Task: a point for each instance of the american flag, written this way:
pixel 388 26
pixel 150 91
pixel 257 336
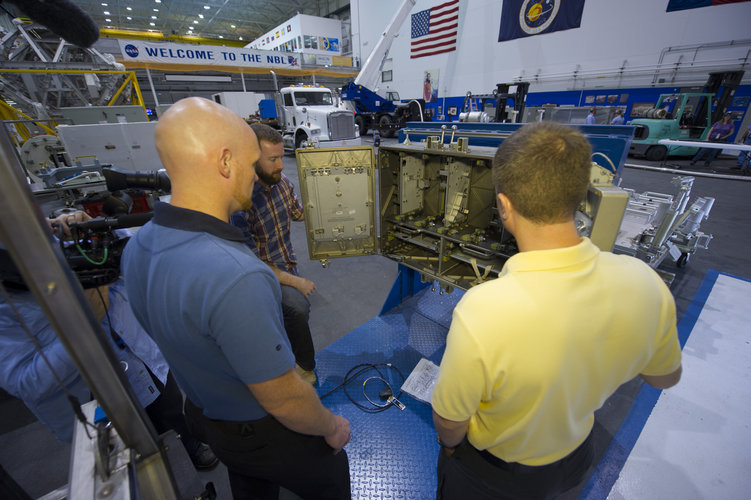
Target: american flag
pixel 434 30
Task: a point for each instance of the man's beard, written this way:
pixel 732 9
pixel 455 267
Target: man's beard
pixel 269 179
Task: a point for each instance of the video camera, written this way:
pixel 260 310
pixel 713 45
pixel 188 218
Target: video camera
pixel 96 246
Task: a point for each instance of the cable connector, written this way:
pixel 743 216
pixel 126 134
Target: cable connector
pixel 386 393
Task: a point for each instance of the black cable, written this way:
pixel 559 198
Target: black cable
pixel 359 370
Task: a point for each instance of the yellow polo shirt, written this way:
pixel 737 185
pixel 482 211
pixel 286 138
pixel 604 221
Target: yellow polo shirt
pixel 531 355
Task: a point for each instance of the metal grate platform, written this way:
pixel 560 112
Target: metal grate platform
pixel 392 453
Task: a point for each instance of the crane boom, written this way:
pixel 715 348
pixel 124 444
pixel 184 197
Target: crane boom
pixel 368 76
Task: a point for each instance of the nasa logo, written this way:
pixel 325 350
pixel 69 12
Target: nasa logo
pixel 536 16
pixel 131 50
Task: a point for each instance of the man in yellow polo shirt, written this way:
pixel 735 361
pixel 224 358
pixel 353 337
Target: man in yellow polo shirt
pixel 531 355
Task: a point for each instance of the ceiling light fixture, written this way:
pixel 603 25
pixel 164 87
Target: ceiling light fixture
pixel 108 20
pixel 221 36
pixel 153 17
pixel 206 7
pixel 106 13
pixel 241 38
pixel 129 8
pixel 104 5
pixel 195 21
pixel 156 10
pixel 152 24
pixel 129 18
pixel 233 26
pixel 200 15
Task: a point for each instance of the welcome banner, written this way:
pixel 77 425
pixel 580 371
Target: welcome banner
pixel 170 53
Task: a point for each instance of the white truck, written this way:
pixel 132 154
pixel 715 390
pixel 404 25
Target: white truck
pixel 300 112
pixel 309 113
pixel 244 104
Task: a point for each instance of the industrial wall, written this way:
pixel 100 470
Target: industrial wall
pixel 619 44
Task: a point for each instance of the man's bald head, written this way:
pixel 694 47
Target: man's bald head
pixel 206 149
pixel 192 129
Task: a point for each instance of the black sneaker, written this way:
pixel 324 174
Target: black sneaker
pixel 203 458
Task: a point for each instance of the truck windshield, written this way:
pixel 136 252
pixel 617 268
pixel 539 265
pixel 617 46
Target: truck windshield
pixel 313 99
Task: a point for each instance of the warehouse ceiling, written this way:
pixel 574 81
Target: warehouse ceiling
pixel 236 20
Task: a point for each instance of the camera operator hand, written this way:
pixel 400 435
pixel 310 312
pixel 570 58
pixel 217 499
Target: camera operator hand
pixel 59 224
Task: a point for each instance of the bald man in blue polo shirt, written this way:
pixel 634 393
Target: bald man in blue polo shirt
pixel 214 309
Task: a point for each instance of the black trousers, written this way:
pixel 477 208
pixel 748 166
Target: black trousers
pixel 166 412
pixel 470 473
pixel 296 311
pixel 262 455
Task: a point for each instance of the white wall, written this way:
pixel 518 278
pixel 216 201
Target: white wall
pixel 614 34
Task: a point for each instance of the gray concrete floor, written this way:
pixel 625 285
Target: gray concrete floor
pixel 352 291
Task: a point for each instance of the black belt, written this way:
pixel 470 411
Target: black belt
pixel 246 429
pixel 509 466
pixel 517 467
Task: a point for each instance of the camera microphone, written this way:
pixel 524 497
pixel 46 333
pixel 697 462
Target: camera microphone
pixel 109 223
pixel 63 18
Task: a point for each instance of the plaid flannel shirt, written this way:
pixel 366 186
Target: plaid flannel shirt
pixel 267 224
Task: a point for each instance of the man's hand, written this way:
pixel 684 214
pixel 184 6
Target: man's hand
pixel 304 286
pixel 450 432
pixel 59 224
pixel 340 437
pixel 295 404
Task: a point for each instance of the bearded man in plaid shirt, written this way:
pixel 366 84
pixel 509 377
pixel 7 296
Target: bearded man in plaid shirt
pixel 266 226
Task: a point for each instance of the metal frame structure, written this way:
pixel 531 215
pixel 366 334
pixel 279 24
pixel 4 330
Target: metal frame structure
pixel 42 73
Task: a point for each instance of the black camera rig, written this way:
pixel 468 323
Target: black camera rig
pixel 96 245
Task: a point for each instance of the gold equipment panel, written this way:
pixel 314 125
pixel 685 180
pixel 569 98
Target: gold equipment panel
pixel 436 208
pixel 337 186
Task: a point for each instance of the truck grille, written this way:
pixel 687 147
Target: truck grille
pixel 341 125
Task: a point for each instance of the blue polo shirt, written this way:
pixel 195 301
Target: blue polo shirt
pixel 212 307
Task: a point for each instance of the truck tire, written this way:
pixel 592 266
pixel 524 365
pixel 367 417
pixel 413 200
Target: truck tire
pixel 300 139
pixel 656 153
pixel 385 126
pixel 360 122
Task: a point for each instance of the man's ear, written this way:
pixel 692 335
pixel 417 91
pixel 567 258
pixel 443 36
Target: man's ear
pixel 225 163
pixel 504 206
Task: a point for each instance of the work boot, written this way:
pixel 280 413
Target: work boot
pixel 203 457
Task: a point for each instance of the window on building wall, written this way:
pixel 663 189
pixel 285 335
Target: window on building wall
pixel 299 42
pixel 386 76
pixel 308 43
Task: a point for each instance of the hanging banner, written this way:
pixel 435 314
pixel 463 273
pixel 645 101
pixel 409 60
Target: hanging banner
pixel 205 55
pixel 523 18
pixel 674 5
